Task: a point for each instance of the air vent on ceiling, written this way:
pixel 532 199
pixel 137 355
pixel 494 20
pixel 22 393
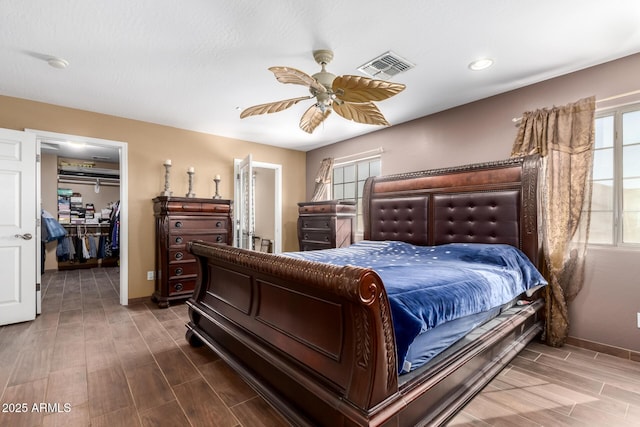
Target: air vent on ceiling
pixel 386 66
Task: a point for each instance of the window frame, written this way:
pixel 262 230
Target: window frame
pixel 358 197
pixel 617 231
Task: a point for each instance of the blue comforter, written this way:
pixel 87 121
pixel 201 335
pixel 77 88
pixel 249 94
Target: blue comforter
pixel 430 285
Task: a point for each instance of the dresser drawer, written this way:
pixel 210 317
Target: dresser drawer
pixel 187 269
pixel 195 207
pixel 200 224
pixel 180 254
pixel 179 286
pixel 179 240
pixel 316 236
pixel 317 223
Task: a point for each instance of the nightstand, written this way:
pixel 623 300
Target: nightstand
pixel 326 224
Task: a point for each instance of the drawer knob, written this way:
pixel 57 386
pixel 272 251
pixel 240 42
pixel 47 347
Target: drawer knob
pixel 178 271
pixel 218 238
pixel 179 239
pixel 219 224
pixel 179 255
pixel 306 236
pixel 178 224
pixel 326 238
pixel 179 287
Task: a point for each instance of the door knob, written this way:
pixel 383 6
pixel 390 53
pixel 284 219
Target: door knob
pixel 26 236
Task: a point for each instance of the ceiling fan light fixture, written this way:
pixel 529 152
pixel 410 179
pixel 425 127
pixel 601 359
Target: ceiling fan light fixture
pixel 58 63
pixel 351 97
pixel 481 64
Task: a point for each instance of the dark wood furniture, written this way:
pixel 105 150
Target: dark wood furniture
pixel 179 220
pixel 326 224
pixel 317 340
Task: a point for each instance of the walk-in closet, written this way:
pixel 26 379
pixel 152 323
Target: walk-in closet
pixel 82 194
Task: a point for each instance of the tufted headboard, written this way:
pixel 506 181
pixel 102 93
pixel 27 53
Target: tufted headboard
pixel 481 203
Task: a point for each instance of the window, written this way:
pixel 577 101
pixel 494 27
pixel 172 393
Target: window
pixel 348 183
pixel 615 205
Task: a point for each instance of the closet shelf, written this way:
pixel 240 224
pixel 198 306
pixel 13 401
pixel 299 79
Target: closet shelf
pixel 71 179
pixel 105 225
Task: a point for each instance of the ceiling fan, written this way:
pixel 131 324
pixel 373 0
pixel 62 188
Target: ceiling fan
pixel 349 96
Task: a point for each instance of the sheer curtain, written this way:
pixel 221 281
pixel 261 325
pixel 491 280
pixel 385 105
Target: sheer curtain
pixel 564 137
pixel 323 180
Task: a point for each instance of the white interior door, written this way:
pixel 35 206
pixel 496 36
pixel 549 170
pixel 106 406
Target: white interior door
pixel 18 243
pixel 245 203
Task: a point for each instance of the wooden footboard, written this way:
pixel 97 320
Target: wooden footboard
pixel 317 342
pixel 303 332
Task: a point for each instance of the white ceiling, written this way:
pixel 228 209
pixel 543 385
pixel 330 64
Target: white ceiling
pixel 189 64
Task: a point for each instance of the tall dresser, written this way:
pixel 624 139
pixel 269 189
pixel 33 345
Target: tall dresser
pixel 326 224
pixel 179 220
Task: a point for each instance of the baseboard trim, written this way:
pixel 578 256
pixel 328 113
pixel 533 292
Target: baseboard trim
pixel 138 300
pixel 604 348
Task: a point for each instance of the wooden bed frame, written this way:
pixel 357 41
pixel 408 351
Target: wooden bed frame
pixel 317 341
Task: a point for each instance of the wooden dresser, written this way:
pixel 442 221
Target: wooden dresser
pixel 179 220
pixel 326 224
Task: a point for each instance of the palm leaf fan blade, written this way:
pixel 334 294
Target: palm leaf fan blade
pixel 365 112
pixel 363 89
pixel 312 118
pixel 296 77
pixel 272 107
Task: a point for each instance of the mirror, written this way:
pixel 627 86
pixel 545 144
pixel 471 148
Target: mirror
pixel 258 205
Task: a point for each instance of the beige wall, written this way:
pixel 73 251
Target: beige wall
pixel 148 147
pixel 605 311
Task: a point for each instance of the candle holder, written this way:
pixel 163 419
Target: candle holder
pixel 190 193
pixel 167 173
pixel 217 181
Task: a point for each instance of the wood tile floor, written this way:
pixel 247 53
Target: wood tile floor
pixel 86 360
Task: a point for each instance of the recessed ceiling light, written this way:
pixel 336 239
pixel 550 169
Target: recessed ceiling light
pixel 58 63
pixel 481 64
pixel 76 144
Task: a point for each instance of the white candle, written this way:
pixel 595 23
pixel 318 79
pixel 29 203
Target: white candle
pixel 191 169
pixel 167 162
pixel 217 177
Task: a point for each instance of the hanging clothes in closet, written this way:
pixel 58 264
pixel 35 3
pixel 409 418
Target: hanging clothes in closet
pixel 91 245
pixel 81 245
pixel 52 230
pixel 114 230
